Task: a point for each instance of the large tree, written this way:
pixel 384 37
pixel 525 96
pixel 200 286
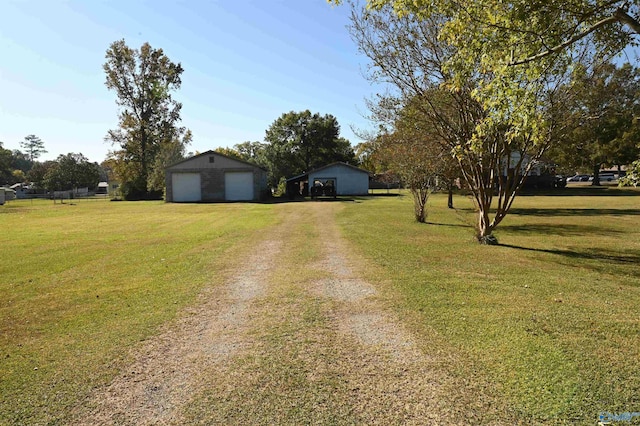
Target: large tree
pixel 604 117
pixel 517 32
pixel 34 146
pixel 253 152
pixel 21 161
pixel 6 171
pixel 36 175
pixel 494 140
pixel 297 142
pixel 71 171
pixel 149 134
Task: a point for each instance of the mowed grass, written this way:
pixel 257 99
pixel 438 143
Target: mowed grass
pixel 82 284
pixel 551 318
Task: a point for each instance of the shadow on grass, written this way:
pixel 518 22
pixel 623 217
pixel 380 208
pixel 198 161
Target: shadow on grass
pixel 450 225
pixel 574 212
pixel 564 230
pixel 583 191
pixel 602 259
pixel 350 198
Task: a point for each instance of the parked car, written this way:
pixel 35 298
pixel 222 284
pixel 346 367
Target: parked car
pixel 578 178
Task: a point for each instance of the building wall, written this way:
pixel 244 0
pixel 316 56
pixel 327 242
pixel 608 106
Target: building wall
pixel 348 181
pixel 212 176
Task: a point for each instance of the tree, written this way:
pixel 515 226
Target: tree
pixel 170 152
pixel 495 140
pixel 298 142
pixel 231 152
pixel 253 152
pixel 21 161
pixel 71 171
pixel 6 170
pixel 604 119
pixel 34 147
pixel 633 175
pixel 148 133
pixel 36 175
pixel 416 158
pixel 521 32
pixel 19 176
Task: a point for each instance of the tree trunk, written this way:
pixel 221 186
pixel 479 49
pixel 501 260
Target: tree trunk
pixel 450 197
pixel 485 228
pixel 420 197
pixel 596 175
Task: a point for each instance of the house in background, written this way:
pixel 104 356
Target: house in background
pixel 8 194
pixel 214 177
pixel 102 188
pixel 343 178
pixel 22 190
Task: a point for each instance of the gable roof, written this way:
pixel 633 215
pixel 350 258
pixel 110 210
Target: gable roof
pixel 210 152
pixel 339 163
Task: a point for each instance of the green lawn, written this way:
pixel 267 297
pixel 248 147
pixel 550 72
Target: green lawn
pixel 551 318
pixel 81 284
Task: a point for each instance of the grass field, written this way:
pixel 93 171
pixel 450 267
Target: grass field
pixel 550 318
pixel 82 283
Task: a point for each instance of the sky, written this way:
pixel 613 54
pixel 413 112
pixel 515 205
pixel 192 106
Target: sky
pixel 246 62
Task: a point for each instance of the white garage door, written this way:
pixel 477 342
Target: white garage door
pixel 186 187
pixel 238 186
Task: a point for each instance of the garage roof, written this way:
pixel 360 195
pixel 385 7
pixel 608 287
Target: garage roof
pixel 211 152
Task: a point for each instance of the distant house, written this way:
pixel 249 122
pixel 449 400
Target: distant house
pixel 8 194
pixel 344 179
pixel 542 173
pixel 102 188
pixel 21 190
pixel 214 177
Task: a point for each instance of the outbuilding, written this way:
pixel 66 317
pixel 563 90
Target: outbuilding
pixel 342 178
pixel 214 177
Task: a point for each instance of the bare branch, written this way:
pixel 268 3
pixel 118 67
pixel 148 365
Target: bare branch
pixel 569 41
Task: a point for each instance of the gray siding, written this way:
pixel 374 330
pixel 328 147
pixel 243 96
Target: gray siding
pixel 349 181
pixel 212 176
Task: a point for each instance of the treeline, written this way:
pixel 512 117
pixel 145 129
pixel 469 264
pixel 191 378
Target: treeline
pixel 69 171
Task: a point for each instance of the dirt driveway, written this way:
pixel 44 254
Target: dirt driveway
pixel 294 336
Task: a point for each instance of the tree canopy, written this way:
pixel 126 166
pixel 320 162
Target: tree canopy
pixel 604 119
pixel 297 142
pixel 34 147
pixel 148 137
pixel 518 32
pixel 71 171
pixel 5 166
pixel 495 139
pixel 413 151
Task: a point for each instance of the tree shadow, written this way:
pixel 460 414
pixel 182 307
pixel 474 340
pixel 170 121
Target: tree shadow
pixel 597 191
pixel 599 259
pixel 352 198
pixel 450 225
pixel 573 212
pixel 564 230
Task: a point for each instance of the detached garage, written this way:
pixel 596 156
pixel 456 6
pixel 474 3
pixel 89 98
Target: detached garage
pixel 214 177
pixel 343 178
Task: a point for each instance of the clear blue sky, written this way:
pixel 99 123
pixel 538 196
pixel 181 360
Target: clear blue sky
pixel 245 63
